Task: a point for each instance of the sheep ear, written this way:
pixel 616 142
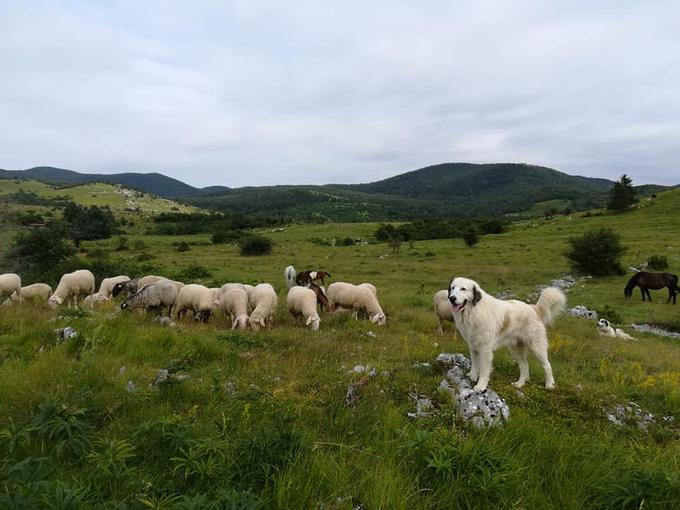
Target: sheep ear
pixel 309 321
pixel 476 295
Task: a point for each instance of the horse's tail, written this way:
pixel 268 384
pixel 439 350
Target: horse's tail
pixel 550 305
pixel 628 291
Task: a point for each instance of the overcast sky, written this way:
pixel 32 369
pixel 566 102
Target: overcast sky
pixel 254 92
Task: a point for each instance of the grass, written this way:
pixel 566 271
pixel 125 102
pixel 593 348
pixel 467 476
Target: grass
pixel 260 421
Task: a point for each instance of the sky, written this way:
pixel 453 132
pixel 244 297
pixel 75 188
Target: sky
pixel 255 92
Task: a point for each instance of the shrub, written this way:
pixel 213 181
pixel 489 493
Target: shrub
pixel 257 245
pixel 610 314
pixel 192 272
pixel 657 263
pixel 597 252
pixel 183 246
pixel 122 244
pixel 228 236
pixel 348 241
pixel 471 237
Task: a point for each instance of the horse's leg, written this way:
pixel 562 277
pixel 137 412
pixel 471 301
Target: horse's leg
pixel 642 291
pixel 649 296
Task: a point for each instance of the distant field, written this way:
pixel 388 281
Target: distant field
pixel 261 420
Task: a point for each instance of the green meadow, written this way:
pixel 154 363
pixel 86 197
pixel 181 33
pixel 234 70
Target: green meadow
pixel 259 420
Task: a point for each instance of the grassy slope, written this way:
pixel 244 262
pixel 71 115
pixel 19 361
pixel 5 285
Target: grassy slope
pixel 264 412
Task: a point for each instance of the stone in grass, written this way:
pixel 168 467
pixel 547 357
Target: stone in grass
pixel 481 408
pixel 632 414
pixel 424 406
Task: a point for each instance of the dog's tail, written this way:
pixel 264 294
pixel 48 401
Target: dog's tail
pixel 550 305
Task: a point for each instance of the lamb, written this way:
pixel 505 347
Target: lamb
pixel 228 286
pixel 302 303
pixel 197 298
pixel 604 328
pixel 9 284
pixel 235 303
pixel 73 285
pixel 95 299
pixel 357 298
pixel 107 284
pixel 136 284
pixel 263 301
pixel 290 274
pixel 39 292
pixel 155 296
pixel 442 309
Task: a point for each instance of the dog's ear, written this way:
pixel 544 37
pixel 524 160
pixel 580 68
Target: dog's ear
pixel 476 295
pixel 448 289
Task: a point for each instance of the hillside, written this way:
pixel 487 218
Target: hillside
pixel 446 190
pixel 155 183
pixel 263 420
pixel 452 189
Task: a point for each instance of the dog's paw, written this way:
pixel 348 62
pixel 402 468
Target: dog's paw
pixel 549 386
pixel 519 384
pixel 473 376
pixel 480 387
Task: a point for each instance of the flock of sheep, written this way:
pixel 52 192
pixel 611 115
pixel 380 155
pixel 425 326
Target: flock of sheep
pixel 248 306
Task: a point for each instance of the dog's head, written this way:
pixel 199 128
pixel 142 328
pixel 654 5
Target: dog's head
pixel 603 324
pixel 463 292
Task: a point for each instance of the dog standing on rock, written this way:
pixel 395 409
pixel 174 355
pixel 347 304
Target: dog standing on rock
pixel 487 323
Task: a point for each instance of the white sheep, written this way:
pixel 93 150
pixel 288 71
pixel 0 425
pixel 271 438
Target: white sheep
pixel 370 287
pixel 37 292
pixel 155 296
pixel 442 309
pixel 95 299
pixel 356 298
pixel 301 302
pixel 263 301
pixel 107 284
pixel 289 275
pixel 197 298
pixel 228 286
pixel 235 302
pixel 73 285
pixel 9 284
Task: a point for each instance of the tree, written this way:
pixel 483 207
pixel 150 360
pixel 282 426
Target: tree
pixel 257 245
pixel 622 195
pixel 471 237
pixel 597 252
pixel 38 251
pixel 88 223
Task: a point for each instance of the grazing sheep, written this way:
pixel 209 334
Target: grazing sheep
pixel 263 301
pixel 95 299
pixel 197 298
pixel 301 302
pixel 235 303
pixel 155 296
pixel 39 292
pixel 228 286
pixel 9 284
pixel 73 285
pixel 356 298
pixel 107 284
pixel 290 274
pixel 129 287
pixel 442 309
pixel 604 328
pixel 370 287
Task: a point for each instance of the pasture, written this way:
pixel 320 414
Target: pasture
pixel 259 420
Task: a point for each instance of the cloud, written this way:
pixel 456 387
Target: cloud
pixel 249 93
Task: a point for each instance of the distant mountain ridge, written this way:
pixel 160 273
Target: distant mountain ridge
pixel 443 190
pixel 155 183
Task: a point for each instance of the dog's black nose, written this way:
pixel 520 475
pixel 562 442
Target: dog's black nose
pixel 452 300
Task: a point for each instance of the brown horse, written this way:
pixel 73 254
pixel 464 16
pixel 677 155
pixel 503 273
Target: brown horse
pixel 654 281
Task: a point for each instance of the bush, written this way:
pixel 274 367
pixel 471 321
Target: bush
pixel 257 245
pixel 192 272
pixel 348 241
pixel 597 253
pixel 122 244
pixel 610 314
pixel 657 263
pixel 228 236
pixel 471 237
pixel 183 246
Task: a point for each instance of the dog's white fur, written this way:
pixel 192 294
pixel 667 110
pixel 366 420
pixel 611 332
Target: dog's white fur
pixel 487 323
pixel 605 329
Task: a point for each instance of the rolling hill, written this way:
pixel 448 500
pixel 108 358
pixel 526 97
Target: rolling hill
pixel 445 190
pixel 155 183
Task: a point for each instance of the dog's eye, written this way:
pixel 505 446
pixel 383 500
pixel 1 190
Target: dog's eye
pixel 463 289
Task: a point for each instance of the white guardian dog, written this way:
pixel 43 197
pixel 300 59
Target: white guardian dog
pixel 605 329
pixel 487 323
